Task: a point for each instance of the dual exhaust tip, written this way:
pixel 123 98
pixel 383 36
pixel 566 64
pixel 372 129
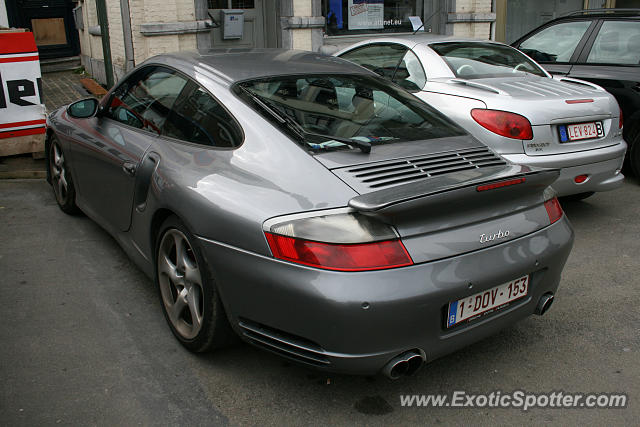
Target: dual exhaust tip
pixel 409 362
pixel 405 364
pixel 544 304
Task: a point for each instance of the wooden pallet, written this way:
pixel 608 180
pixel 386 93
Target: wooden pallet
pixel 33 144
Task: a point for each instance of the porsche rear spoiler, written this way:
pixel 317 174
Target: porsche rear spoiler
pixel 490 184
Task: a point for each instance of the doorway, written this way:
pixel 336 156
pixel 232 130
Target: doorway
pixel 51 22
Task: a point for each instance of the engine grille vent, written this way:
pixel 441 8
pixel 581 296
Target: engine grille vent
pixel 283 343
pixel 394 172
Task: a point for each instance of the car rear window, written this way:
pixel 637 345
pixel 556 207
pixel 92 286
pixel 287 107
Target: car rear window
pixel 361 107
pixel 469 60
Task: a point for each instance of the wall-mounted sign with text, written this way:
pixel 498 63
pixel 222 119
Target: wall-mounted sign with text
pixel 21 109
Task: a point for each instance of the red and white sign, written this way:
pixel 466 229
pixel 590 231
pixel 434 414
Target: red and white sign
pixel 21 109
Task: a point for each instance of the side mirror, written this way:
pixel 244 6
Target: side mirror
pixel 83 109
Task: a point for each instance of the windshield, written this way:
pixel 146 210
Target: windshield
pixel 326 112
pixel 484 60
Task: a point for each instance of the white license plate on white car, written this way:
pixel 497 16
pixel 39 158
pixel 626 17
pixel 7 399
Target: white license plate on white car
pixel 581 131
pixel 487 301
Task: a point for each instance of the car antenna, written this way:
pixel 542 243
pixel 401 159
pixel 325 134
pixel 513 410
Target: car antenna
pixel 426 20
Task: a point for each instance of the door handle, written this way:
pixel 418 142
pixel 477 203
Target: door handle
pixel 129 168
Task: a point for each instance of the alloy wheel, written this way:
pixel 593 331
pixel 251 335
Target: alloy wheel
pixel 59 174
pixel 180 284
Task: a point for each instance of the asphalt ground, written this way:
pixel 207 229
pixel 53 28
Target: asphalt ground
pixel 83 340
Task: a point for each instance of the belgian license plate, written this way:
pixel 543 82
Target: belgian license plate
pixel 580 131
pixel 486 302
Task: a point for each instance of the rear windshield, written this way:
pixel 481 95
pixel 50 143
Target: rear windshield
pixel 360 107
pixel 485 60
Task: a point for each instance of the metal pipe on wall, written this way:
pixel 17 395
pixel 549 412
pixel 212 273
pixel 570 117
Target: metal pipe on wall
pixel 128 40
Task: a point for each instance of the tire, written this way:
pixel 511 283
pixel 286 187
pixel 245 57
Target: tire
pixel 634 155
pixel 61 180
pixel 189 298
pixel 577 197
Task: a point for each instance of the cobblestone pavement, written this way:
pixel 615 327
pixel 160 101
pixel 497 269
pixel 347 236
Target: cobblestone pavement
pixel 61 88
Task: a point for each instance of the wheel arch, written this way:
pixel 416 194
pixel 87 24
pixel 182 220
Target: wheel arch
pixel 159 216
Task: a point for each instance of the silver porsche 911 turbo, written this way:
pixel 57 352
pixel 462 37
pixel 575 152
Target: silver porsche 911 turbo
pixel 310 207
pixel 509 102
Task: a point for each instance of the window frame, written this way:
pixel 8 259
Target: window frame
pixel 235 88
pixel 586 50
pixel 135 75
pixel 577 52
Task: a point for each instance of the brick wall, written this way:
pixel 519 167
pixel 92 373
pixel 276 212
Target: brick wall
pixel 116 33
pixel 474 9
pixel 473 6
pixel 160 11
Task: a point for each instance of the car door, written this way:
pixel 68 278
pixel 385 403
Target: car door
pixel 115 142
pixel 557 45
pixel 611 59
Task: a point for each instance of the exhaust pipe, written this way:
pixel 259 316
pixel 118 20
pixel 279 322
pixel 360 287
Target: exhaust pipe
pixel 544 304
pixel 405 364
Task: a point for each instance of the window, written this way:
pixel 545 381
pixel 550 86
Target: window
pixel 556 43
pixel 330 108
pixel 198 118
pixel 392 61
pixel 145 99
pixel 382 59
pixel 617 42
pixel 484 60
pixel 369 16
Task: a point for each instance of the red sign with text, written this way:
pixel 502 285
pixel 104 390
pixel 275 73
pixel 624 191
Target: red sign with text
pixel 21 109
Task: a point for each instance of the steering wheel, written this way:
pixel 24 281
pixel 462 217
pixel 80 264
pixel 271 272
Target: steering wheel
pixel 463 67
pixel 517 67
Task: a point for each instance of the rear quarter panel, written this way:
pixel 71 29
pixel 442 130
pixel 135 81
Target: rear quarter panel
pixel 226 194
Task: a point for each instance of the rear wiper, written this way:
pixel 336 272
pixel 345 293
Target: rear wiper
pixel 302 134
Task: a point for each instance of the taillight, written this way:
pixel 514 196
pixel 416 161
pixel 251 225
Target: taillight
pixel 331 256
pixel 343 241
pixel 620 121
pixel 552 205
pixel 503 123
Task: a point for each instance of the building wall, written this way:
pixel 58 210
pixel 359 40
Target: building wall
pixel 472 19
pixel 116 36
pixel 301 37
pixel 160 12
pixel 159 26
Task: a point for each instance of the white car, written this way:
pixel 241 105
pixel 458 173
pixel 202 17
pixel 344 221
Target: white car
pixel 505 99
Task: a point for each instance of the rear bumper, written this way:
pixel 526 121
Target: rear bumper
pixel 356 322
pixel 602 166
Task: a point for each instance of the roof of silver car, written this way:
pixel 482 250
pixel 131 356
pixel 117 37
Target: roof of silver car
pixel 233 65
pixel 426 38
